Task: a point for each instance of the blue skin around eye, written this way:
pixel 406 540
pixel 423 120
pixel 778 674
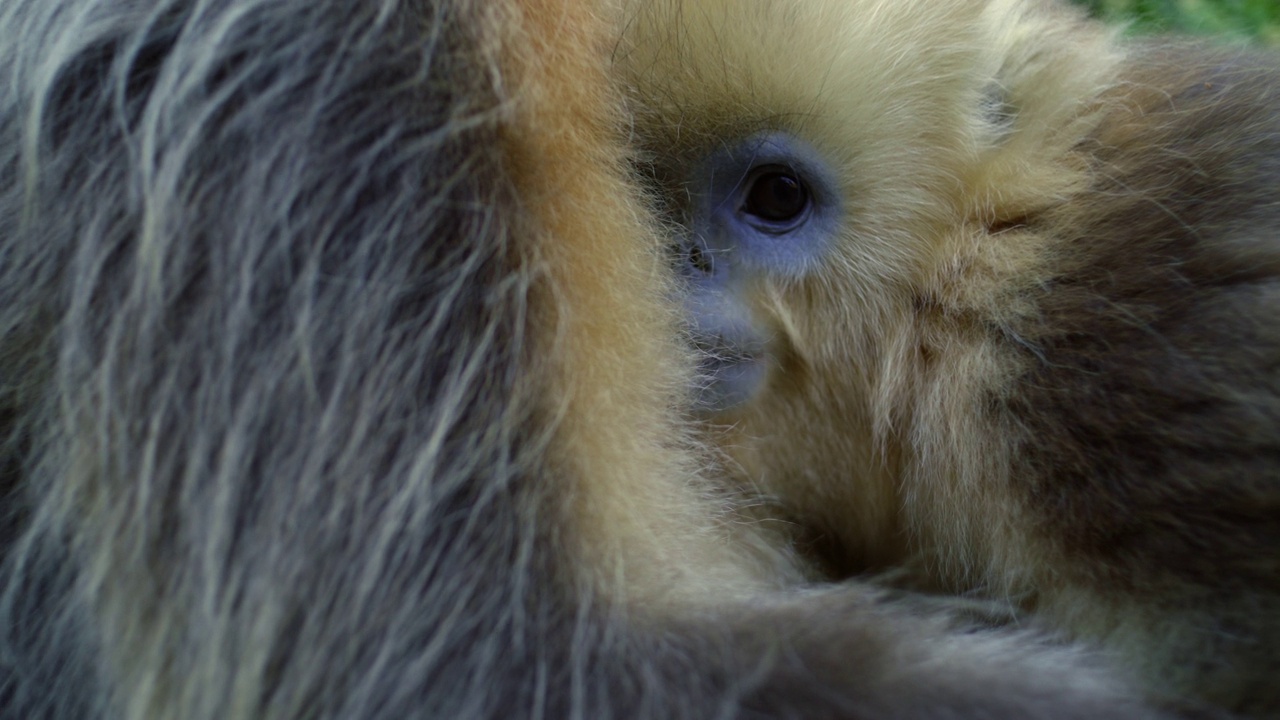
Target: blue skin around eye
pixel 719 188
pixel 726 246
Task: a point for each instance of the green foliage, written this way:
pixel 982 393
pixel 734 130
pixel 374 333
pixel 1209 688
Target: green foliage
pixel 1248 19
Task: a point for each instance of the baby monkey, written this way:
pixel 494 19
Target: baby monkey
pixel 988 295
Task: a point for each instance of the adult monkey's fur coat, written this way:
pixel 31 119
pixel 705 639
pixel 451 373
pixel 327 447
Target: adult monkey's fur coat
pixel 337 381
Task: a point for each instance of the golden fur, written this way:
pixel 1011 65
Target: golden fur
pixel 1037 363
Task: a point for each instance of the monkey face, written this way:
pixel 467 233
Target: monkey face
pixel 810 180
pixel 765 208
pixel 832 169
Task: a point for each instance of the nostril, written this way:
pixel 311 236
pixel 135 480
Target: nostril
pixel 698 260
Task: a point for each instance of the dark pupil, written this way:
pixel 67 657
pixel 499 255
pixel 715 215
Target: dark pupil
pixel 776 196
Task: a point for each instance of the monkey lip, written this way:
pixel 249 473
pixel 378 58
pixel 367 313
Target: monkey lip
pixel 717 352
pixel 728 374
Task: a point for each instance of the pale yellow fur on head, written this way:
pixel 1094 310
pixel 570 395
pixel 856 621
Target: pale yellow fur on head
pixel 942 119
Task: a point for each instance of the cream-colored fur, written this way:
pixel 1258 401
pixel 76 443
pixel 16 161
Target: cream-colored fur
pixel 892 93
pixel 976 142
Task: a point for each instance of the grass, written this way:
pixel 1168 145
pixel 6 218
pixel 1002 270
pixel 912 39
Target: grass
pixel 1254 20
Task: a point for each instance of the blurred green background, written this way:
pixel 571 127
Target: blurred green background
pixel 1255 20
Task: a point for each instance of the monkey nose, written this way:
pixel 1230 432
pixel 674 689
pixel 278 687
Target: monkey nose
pixel 697 260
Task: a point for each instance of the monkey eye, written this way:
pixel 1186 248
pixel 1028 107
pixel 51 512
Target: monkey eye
pixel 767 203
pixel 776 195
